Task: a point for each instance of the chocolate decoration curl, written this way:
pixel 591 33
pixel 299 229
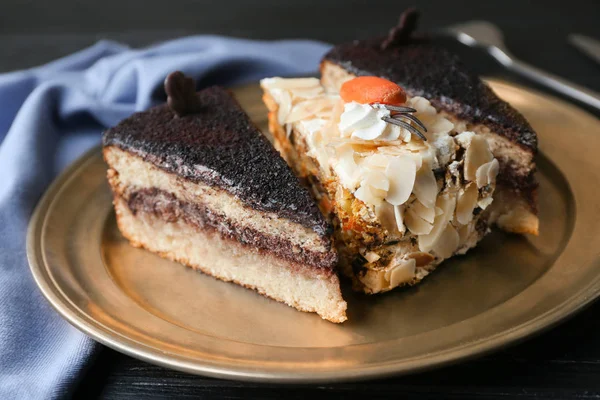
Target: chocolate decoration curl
pixel 401 33
pixel 181 94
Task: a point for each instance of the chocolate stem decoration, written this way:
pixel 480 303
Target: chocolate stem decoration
pixel 402 32
pixel 181 94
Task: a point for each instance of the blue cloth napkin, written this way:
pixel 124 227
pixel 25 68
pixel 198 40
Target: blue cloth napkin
pixel 48 117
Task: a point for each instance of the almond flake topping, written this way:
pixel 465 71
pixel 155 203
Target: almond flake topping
pixel 425 188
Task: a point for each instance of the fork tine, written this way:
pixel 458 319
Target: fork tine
pixel 405 125
pixel 398 108
pixel 412 118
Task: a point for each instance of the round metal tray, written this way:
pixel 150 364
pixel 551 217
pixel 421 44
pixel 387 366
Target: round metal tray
pixel 162 312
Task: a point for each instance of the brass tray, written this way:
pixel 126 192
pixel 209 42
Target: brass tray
pixel 508 288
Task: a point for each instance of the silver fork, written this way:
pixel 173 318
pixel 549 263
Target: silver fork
pixel 397 113
pixel 486 35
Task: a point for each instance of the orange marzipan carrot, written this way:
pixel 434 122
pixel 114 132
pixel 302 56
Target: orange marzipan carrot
pixel 372 89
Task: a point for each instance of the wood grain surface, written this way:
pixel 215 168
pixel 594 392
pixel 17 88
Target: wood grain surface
pixel 563 363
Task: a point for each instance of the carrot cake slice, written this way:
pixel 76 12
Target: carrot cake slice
pixel 410 154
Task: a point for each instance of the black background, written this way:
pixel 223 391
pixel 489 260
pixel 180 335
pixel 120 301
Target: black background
pixel 563 363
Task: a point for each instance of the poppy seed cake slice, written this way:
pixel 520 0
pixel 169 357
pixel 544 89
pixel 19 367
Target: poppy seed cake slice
pixel 199 184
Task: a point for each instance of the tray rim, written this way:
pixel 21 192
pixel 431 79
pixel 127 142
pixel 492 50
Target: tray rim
pixel 96 330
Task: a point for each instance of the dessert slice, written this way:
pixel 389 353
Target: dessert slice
pixel 426 70
pixel 412 174
pixel 196 182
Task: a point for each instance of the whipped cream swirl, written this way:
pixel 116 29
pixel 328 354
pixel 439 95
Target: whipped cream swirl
pixel 363 121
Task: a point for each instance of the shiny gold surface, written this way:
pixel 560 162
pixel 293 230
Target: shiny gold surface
pixel 159 311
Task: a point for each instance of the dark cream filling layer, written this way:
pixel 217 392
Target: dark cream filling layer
pixel 169 208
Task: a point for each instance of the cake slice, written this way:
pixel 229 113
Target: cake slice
pixel 411 156
pixel 426 70
pixel 196 182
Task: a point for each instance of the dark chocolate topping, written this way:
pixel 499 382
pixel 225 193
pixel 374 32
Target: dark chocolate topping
pixel 181 94
pixel 425 69
pixel 219 146
pixel 169 208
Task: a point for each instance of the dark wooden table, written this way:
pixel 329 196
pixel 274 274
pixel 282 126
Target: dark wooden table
pixel 563 363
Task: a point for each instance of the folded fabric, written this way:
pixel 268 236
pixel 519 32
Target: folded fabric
pixel 49 116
